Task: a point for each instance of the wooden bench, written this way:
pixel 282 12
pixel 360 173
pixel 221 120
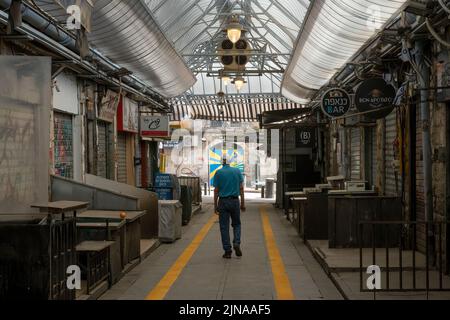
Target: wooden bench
pixel 132 249
pixel 109 231
pixel 94 260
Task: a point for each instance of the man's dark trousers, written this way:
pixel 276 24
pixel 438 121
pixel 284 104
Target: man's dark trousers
pixel 229 208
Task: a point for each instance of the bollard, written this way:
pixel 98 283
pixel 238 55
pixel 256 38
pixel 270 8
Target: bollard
pixel 263 191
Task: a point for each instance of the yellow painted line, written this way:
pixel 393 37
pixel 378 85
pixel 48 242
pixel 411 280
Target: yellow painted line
pixel 160 291
pixel 280 278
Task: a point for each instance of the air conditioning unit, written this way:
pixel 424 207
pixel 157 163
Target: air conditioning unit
pixel 234 57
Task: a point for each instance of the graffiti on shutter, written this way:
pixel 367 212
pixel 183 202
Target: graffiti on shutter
pixel 63 145
pixel 393 178
pixel 18 139
pixel 355 154
pixel 102 150
pixel 122 157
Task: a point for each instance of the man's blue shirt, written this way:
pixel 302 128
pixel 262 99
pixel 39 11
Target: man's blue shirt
pixel 229 181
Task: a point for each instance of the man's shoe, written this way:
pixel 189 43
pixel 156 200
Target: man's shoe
pixel 227 255
pixel 238 251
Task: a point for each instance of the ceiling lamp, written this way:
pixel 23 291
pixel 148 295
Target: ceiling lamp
pixel 239 82
pixel 226 80
pixel 234 30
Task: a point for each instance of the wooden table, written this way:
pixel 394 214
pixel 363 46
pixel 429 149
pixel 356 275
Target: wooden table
pixel 113 231
pixel 288 196
pixel 61 207
pixel 132 249
pixel 112 215
pixel 295 216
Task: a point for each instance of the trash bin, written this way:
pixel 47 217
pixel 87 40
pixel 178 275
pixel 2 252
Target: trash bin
pixel 270 184
pixel 170 220
pixel 186 201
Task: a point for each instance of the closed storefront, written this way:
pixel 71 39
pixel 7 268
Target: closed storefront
pixel 102 149
pixel 63 145
pixel 105 134
pixel 121 157
pixel 67 153
pixel 126 153
pixel 355 153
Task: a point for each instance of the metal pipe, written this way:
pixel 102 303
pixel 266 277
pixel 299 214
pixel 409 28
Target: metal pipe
pixel 49 35
pixel 41 24
pixel 424 82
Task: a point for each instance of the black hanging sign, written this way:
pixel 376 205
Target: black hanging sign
pixel 336 103
pixel 376 97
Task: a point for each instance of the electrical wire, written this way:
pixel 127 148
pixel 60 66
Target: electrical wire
pixel 436 35
pixel 444 6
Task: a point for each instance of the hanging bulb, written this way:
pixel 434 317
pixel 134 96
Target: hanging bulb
pixel 234 30
pixel 226 80
pixel 239 82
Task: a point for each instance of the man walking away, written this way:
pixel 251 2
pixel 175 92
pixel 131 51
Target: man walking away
pixel 229 184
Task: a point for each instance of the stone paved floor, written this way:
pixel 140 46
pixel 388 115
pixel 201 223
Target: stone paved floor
pixel 207 276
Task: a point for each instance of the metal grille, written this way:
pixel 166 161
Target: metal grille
pixel 62 255
pixel 403 266
pixel 194 183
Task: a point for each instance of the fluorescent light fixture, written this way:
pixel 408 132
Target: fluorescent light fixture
pixel 334 32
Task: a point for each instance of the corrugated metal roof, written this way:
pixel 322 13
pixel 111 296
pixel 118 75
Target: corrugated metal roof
pixel 127 33
pixel 333 32
pixel 195 24
pixel 243 108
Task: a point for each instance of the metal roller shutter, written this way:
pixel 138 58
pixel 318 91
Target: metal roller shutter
pixel 374 155
pixel 122 157
pixel 63 145
pixel 102 147
pixel 355 154
pixel 420 195
pixel 139 167
pixel 18 143
pixel 392 178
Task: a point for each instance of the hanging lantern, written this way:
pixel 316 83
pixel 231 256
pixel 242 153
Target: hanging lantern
pixel 234 30
pixel 239 82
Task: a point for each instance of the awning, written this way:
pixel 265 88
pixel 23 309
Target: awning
pixel 242 108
